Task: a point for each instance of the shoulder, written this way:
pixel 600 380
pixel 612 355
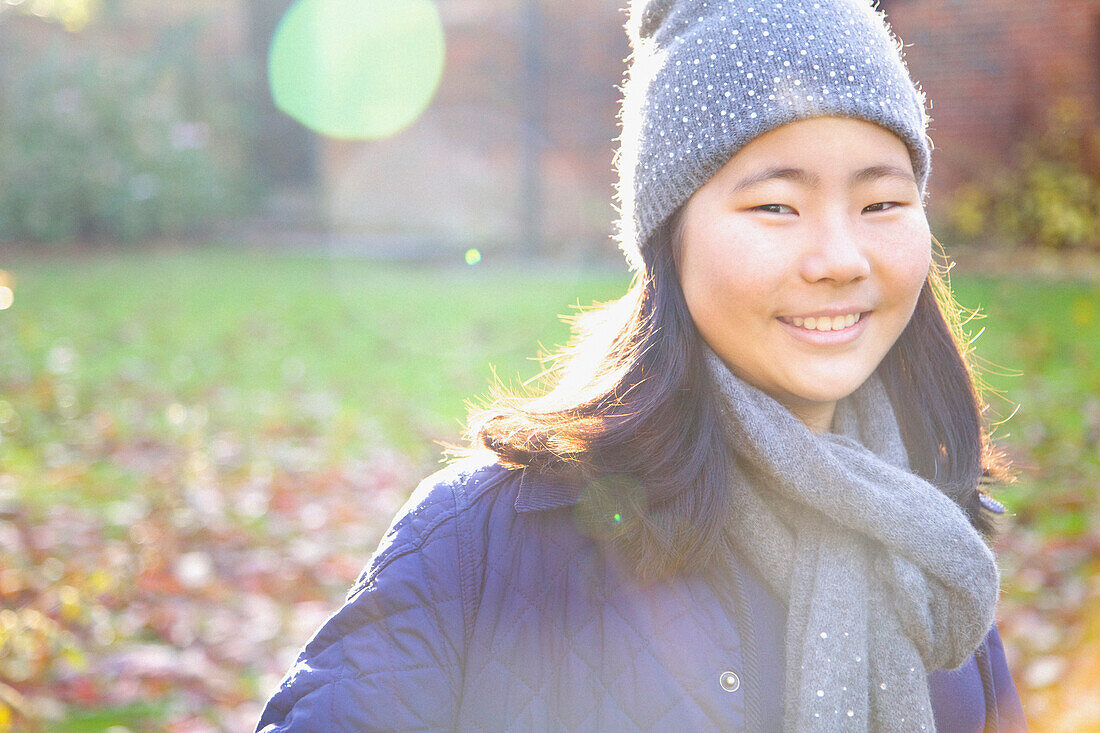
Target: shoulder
pixel 436 508
pixel 468 501
pixel 398 641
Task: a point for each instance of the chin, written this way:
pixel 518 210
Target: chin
pixel 832 393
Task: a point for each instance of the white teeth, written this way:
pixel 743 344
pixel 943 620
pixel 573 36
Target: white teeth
pixel 826 323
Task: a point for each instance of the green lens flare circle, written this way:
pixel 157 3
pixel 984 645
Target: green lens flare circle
pixel 356 69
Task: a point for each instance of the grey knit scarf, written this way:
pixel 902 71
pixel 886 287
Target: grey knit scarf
pixel 884 577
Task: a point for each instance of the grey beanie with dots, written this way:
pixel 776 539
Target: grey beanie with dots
pixel 708 76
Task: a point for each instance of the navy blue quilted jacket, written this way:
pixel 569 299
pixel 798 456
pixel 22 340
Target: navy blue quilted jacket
pixel 486 609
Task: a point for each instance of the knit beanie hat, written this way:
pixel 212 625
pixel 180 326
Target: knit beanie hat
pixel 708 76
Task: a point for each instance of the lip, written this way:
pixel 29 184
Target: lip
pixel 828 338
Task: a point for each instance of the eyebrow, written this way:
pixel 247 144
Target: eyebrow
pixel 797 175
pixel 874 172
pixel 812 180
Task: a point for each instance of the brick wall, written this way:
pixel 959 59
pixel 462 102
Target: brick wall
pixel 464 156
pixel 992 68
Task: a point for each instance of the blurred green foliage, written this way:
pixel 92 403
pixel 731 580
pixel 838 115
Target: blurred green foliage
pixel 109 138
pixel 74 15
pixel 1049 198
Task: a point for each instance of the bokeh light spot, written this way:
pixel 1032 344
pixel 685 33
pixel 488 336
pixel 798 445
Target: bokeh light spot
pixel 356 69
pixel 7 290
pixel 473 257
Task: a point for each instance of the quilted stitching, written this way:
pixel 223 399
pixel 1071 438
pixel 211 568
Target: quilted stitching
pixel 520 620
pixel 481 612
pixel 593 634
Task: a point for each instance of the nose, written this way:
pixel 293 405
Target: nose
pixel 836 253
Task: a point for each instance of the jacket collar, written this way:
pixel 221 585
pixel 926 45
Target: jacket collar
pixel 538 492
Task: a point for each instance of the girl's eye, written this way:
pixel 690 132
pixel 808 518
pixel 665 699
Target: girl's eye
pixel 774 209
pixel 881 206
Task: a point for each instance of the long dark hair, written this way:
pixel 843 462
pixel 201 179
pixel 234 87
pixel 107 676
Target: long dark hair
pixel 630 418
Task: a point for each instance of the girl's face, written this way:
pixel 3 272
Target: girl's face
pixel 802 258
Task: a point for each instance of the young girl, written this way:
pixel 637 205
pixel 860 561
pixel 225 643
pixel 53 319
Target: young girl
pixel 751 501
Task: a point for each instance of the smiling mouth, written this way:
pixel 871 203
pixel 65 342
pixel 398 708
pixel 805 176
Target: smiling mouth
pixel 823 323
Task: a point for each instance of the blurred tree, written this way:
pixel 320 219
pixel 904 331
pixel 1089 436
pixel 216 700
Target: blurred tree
pixel 285 152
pixel 105 139
pixel 533 87
pixel 73 14
pixel 1049 198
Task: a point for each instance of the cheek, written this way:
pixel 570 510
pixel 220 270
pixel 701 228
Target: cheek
pixel 728 279
pixel 911 273
pixel 700 255
pixel 723 260
pixel 908 260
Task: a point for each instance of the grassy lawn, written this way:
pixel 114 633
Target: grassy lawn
pixel 404 346
pixel 199 449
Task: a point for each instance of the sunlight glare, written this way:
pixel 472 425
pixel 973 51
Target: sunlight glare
pixel 7 293
pixel 356 69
